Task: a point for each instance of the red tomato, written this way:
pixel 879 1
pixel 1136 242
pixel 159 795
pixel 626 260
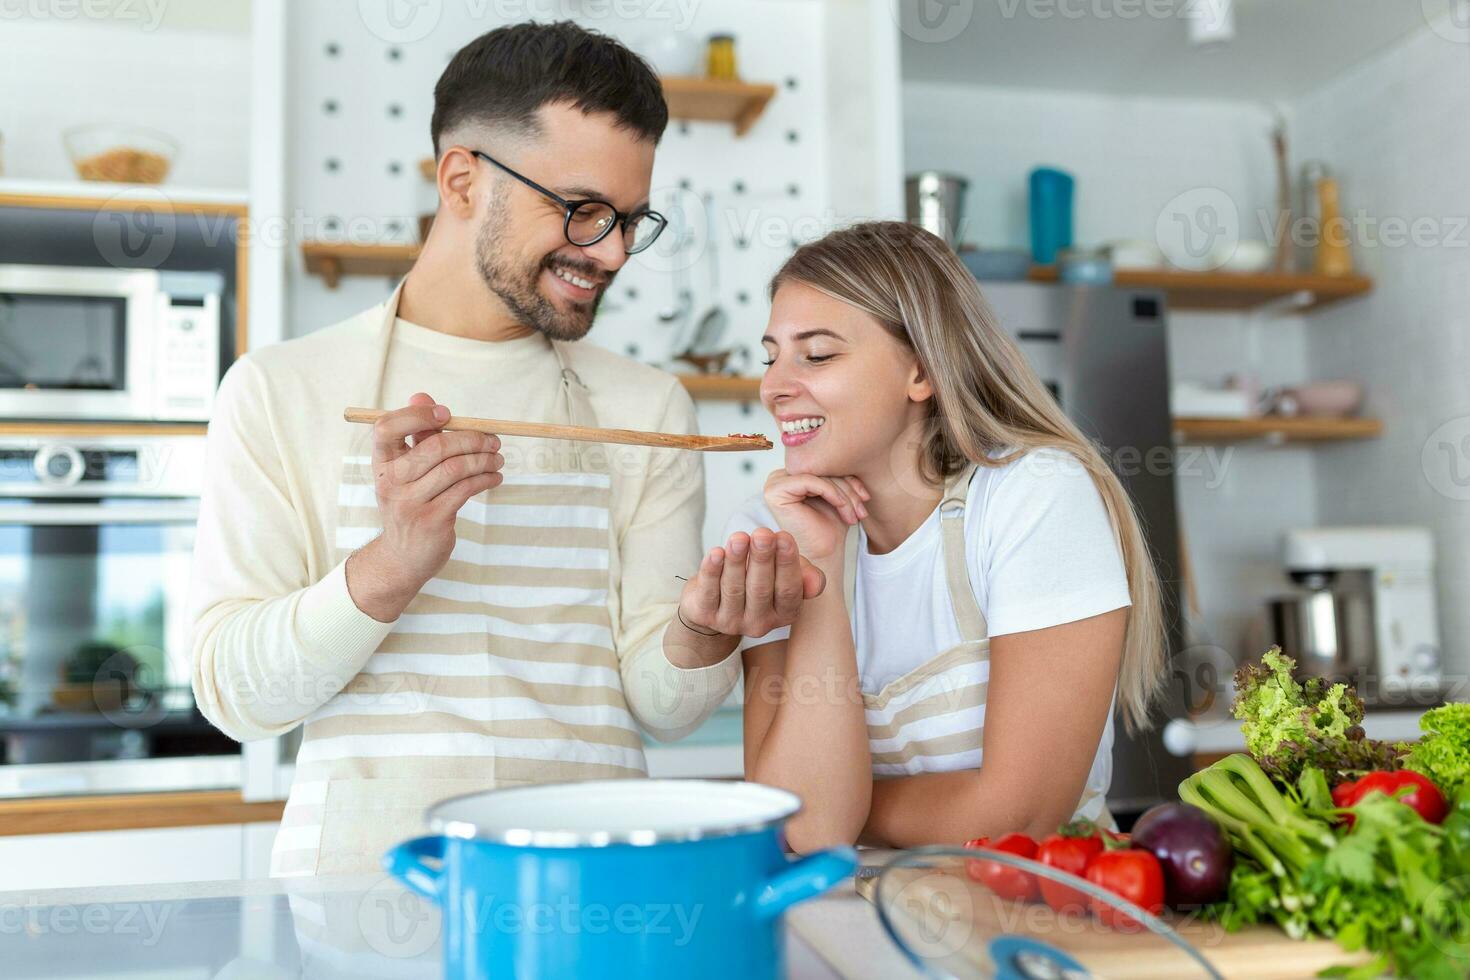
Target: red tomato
pixel 1002 880
pixel 1131 874
pixel 1072 855
pixel 1423 797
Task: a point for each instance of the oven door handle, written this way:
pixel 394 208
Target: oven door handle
pixel 180 512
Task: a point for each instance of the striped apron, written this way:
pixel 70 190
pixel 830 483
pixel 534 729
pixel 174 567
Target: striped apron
pixel 501 671
pixel 932 719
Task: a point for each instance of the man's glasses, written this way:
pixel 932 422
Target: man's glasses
pixel 589 222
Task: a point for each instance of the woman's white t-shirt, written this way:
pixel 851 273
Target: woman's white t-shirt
pixel 1040 550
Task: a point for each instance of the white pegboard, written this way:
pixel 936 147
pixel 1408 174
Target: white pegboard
pixel 360 96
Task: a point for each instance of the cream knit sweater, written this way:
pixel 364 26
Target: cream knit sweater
pixel 275 632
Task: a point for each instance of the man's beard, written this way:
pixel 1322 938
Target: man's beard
pixel 517 286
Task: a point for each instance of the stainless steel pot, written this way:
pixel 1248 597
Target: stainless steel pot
pixel 1327 631
pixel 935 202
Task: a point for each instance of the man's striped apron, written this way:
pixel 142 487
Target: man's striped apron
pixel 502 670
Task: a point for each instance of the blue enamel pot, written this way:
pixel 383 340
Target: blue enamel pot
pixel 643 878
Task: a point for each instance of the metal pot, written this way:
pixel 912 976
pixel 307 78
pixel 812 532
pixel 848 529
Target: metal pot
pixel 1328 632
pixel 935 202
pixel 608 878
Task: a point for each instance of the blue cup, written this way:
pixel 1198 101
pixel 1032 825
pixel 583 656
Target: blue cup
pixel 1050 207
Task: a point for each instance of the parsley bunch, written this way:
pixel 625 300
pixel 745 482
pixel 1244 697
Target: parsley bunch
pixel 1394 885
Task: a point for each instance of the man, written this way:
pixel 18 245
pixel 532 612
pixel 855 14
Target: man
pixel 443 613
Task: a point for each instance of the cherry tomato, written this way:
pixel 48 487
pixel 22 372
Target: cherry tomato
pixel 1131 874
pixel 1423 797
pixel 1070 852
pixel 1004 881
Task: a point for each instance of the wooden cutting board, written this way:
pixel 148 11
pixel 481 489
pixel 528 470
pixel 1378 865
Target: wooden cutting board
pixel 959 919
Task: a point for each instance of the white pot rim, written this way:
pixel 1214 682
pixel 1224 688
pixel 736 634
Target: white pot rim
pixel 604 812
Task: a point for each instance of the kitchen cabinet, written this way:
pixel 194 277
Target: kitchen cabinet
pixel 126 857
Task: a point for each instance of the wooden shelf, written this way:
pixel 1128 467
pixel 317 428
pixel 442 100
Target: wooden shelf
pixel 717 100
pixel 721 387
pixel 84 429
pixel 1275 430
pixel 1232 290
pixel 333 260
pixel 132 811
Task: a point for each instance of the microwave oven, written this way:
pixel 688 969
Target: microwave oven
pixel 107 344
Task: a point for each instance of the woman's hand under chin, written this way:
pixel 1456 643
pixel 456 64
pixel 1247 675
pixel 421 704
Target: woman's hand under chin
pixel 816 510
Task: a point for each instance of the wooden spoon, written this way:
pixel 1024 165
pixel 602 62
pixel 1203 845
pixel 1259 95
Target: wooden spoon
pixel 582 433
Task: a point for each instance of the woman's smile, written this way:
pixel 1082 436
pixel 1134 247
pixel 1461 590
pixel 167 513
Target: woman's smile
pixel 797 430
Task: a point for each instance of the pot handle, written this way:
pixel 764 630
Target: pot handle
pixel 406 863
pixel 805 879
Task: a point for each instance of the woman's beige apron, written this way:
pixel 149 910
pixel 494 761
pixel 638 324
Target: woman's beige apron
pixel 932 719
pixel 501 671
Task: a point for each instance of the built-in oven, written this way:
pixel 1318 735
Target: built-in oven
pixel 108 344
pixel 96 541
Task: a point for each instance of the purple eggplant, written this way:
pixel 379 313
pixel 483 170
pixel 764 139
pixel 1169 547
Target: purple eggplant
pixel 1191 848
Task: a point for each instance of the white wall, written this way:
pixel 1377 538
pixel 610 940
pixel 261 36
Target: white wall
pixel 191 84
pixel 1131 157
pixel 1395 131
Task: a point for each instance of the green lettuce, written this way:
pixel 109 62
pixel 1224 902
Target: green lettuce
pixel 1443 753
pixel 1289 726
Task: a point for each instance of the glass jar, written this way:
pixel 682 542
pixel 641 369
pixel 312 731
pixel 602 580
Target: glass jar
pixel 720 57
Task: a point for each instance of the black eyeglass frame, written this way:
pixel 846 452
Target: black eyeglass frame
pixel 620 220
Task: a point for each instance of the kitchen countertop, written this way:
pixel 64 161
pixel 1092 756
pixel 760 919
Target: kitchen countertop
pixel 368 926
pixel 363 927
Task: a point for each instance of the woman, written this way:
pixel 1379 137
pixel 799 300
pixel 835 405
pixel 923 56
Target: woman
pixel 987 580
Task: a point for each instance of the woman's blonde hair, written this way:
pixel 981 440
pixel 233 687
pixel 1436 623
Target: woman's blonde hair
pixel 987 398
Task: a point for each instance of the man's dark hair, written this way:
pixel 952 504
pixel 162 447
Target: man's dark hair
pixel 504 76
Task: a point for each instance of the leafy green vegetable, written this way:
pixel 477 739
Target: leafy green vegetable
pixel 1443 753
pixel 1290 727
pixel 1394 884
